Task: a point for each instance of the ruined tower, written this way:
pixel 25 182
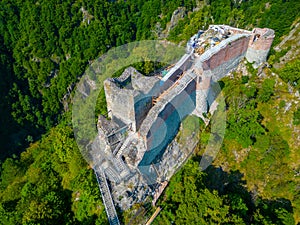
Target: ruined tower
pixel 259 46
pixel 202 92
pixel 128 98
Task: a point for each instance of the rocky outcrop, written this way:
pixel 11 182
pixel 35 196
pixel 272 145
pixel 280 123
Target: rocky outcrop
pixel 290 44
pixel 177 15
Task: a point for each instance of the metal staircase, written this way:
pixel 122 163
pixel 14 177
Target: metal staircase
pixel 106 197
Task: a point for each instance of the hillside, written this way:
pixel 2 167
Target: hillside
pixel 45 47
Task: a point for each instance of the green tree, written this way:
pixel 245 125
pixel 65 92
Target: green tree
pixel 267 90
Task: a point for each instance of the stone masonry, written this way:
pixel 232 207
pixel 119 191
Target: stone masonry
pixel 136 146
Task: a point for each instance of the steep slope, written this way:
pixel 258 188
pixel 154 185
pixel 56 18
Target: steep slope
pixel 289 47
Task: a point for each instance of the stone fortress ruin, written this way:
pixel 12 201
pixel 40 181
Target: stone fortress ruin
pixel 135 150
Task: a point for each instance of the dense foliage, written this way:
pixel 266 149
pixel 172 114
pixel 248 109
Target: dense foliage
pixel 50 184
pixel 192 197
pixel 277 15
pixel 291 73
pixel 45 47
pixel 258 155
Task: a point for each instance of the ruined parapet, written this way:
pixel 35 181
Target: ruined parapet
pixel 214 64
pixel 128 98
pixel 259 46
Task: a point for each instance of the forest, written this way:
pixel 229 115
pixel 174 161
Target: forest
pixel 45 47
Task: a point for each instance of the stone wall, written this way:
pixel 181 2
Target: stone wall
pixel 120 102
pixel 214 64
pixel 218 61
pixel 182 65
pixel 163 120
